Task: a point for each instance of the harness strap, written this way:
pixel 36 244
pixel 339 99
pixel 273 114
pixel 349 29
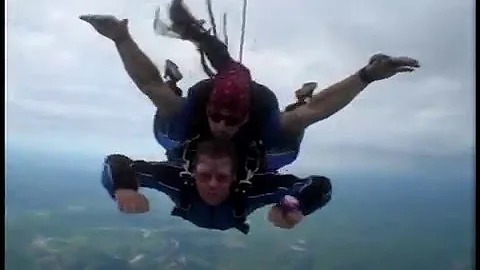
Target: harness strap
pixel 188 183
pixel 253 163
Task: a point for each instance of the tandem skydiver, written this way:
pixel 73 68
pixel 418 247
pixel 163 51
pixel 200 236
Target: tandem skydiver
pixel 228 105
pixel 207 193
pixel 289 148
pixel 231 105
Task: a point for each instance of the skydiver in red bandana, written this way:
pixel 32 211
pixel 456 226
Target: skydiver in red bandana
pixel 231 106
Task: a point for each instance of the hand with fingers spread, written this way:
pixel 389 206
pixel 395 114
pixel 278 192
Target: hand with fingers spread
pixel 108 26
pixel 382 66
pixel 131 202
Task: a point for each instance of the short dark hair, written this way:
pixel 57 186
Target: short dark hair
pixel 217 149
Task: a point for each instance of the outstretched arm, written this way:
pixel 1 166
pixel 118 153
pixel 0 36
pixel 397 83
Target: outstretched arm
pixel 337 96
pixel 312 192
pixel 323 105
pixel 146 77
pixel 139 67
pixel 122 173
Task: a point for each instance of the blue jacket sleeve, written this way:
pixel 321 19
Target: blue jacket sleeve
pixel 312 192
pixel 120 172
pixel 171 132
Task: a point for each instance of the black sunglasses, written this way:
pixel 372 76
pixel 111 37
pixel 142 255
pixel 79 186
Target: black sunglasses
pixel 228 119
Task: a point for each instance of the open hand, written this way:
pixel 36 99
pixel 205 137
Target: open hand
pixel 284 220
pixel 382 66
pixel 107 25
pixel 131 202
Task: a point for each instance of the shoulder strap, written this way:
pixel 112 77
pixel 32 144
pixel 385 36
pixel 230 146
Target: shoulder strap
pixel 187 189
pixel 253 163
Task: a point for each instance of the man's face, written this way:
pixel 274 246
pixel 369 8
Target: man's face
pixel 224 125
pixel 213 178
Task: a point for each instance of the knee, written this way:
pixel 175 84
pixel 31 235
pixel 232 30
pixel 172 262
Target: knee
pixel 323 188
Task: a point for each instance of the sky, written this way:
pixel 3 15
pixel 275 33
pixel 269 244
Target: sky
pixel 67 91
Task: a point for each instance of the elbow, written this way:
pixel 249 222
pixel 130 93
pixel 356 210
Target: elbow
pixel 325 115
pixel 118 173
pixel 147 85
pixel 320 112
pixel 321 184
pixel 317 194
pixel 155 91
pixel 143 79
pixel 107 178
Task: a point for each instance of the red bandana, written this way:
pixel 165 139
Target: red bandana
pixel 231 91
